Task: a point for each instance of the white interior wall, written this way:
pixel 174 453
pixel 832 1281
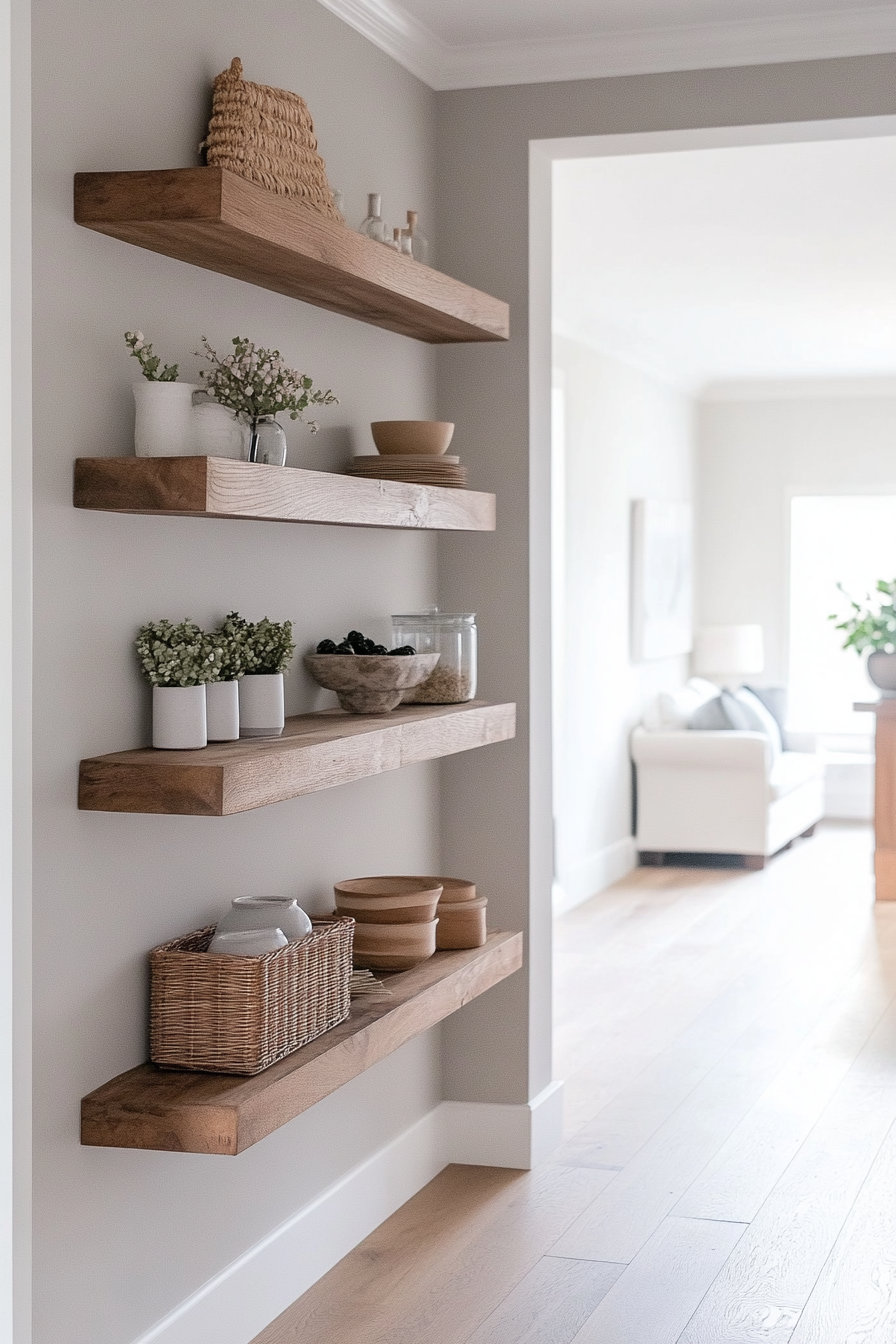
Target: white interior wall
pixel 754 455
pixel 122 1237
pixel 628 436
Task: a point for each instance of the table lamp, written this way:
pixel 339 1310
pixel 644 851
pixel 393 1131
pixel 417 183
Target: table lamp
pixel 728 651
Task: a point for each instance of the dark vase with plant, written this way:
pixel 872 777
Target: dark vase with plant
pixel 178 661
pixel 872 627
pixel 263 650
pixel 257 384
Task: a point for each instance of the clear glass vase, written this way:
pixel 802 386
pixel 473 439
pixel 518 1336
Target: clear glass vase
pixel 267 441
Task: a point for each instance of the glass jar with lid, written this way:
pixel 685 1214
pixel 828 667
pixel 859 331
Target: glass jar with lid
pixel 451 634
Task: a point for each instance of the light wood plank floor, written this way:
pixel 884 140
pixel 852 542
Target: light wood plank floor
pixel 728 1041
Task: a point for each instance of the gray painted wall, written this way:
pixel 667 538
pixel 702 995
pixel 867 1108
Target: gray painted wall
pixel 122 1237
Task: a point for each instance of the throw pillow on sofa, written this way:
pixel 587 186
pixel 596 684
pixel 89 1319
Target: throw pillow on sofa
pixel 722 714
pixel 761 720
pixel 673 709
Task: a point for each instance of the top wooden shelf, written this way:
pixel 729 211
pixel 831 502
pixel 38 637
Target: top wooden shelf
pixel 211 218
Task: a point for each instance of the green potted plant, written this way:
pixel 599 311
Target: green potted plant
pixel 222 697
pixel 164 425
pixel 872 627
pixel 256 383
pixel 178 661
pixel 263 649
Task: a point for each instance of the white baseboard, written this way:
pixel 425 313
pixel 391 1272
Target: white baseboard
pixel 234 1306
pixel 576 885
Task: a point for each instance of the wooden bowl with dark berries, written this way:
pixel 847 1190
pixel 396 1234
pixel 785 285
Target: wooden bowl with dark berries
pixel 367 677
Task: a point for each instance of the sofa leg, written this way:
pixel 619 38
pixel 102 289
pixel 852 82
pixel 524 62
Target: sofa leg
pixel 651 858
pixel 754 862
pixel 807 835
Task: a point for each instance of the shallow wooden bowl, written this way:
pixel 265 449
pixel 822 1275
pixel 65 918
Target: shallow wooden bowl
pixel 462 924
pixel 428 437
pixel 454 889
pixel 393 947
pixel 411 907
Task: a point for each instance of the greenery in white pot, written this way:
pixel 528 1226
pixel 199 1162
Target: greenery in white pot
pixel 178 660
pixel 164 425
pixel 264 650
pixel 258 384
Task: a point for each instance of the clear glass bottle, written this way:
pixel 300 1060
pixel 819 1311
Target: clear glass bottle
pixel 395 241
pixel 404 243
pixel 372 225
pixel 267 441
pixel 451 634
pixel 420 249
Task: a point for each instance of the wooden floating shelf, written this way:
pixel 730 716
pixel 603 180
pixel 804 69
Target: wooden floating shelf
pixel 218 487
pixel 209 217
pixel 217 1113
pixel 317 751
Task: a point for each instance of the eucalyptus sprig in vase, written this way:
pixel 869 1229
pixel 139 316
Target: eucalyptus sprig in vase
pixel 258 384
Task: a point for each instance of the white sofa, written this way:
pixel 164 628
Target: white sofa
pixel 722 792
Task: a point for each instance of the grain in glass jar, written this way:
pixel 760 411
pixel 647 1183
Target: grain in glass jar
pixel 453 636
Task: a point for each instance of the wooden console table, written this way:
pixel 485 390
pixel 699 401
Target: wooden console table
pixel 884 712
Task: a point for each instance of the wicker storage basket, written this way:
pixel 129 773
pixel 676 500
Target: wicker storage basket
pixel 221 1014
pixel 267 136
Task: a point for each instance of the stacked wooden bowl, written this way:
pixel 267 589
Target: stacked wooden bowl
pixel 461 914
pixel 395 919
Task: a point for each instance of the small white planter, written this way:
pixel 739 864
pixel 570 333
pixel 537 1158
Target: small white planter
pixel 178 717
pixel 222 708
pixel 261 704
pixel 164 425
pixel 219 432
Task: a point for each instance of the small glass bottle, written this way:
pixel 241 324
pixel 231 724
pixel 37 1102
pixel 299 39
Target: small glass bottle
pixel 395 241
pixel 419 240
pixel 404 243
pixel 373 225
pixel 453 636
pixel 267 441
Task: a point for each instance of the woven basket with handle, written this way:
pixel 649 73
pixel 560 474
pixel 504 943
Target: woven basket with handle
pixel 267 136
pixel 221 1014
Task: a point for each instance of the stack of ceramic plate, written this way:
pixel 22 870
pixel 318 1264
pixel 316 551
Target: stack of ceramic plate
pixel 416 468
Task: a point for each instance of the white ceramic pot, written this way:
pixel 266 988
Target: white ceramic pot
pixel 261 704
pixel 178 717
pixel 247 942
pixel 164 426
pixel 222 709
pixel 266 912
pixel 219 432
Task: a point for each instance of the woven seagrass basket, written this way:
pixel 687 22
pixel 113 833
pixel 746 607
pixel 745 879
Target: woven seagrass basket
pixel 221 1014
pixel 267 136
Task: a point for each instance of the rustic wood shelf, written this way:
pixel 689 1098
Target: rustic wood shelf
pixel 216 487
pixel 216 1113
pixel 317 751
pixel 211 218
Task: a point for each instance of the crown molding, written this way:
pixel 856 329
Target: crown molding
pixel 804 37
pixel 799 389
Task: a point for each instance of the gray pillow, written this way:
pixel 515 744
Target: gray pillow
pixel 775 700
pixel 722 714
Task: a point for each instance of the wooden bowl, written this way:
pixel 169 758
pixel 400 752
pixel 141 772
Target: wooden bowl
pixel 454 889
pixel 411 907
pixel 461 924
pixel 369 683
pixel 430 437
pixel 393 947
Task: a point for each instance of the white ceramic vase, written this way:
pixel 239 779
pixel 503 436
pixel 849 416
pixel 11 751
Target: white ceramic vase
pixel 178 717
pixel 164 424
pixel 266 912
pixel 222 708
pixel 261 704
pixel 219 432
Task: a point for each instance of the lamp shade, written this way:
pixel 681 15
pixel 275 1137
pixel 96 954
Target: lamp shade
pixel 728 649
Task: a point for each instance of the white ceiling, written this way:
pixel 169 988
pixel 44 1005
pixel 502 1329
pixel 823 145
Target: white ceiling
pixel 708 266
pixel 454 45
